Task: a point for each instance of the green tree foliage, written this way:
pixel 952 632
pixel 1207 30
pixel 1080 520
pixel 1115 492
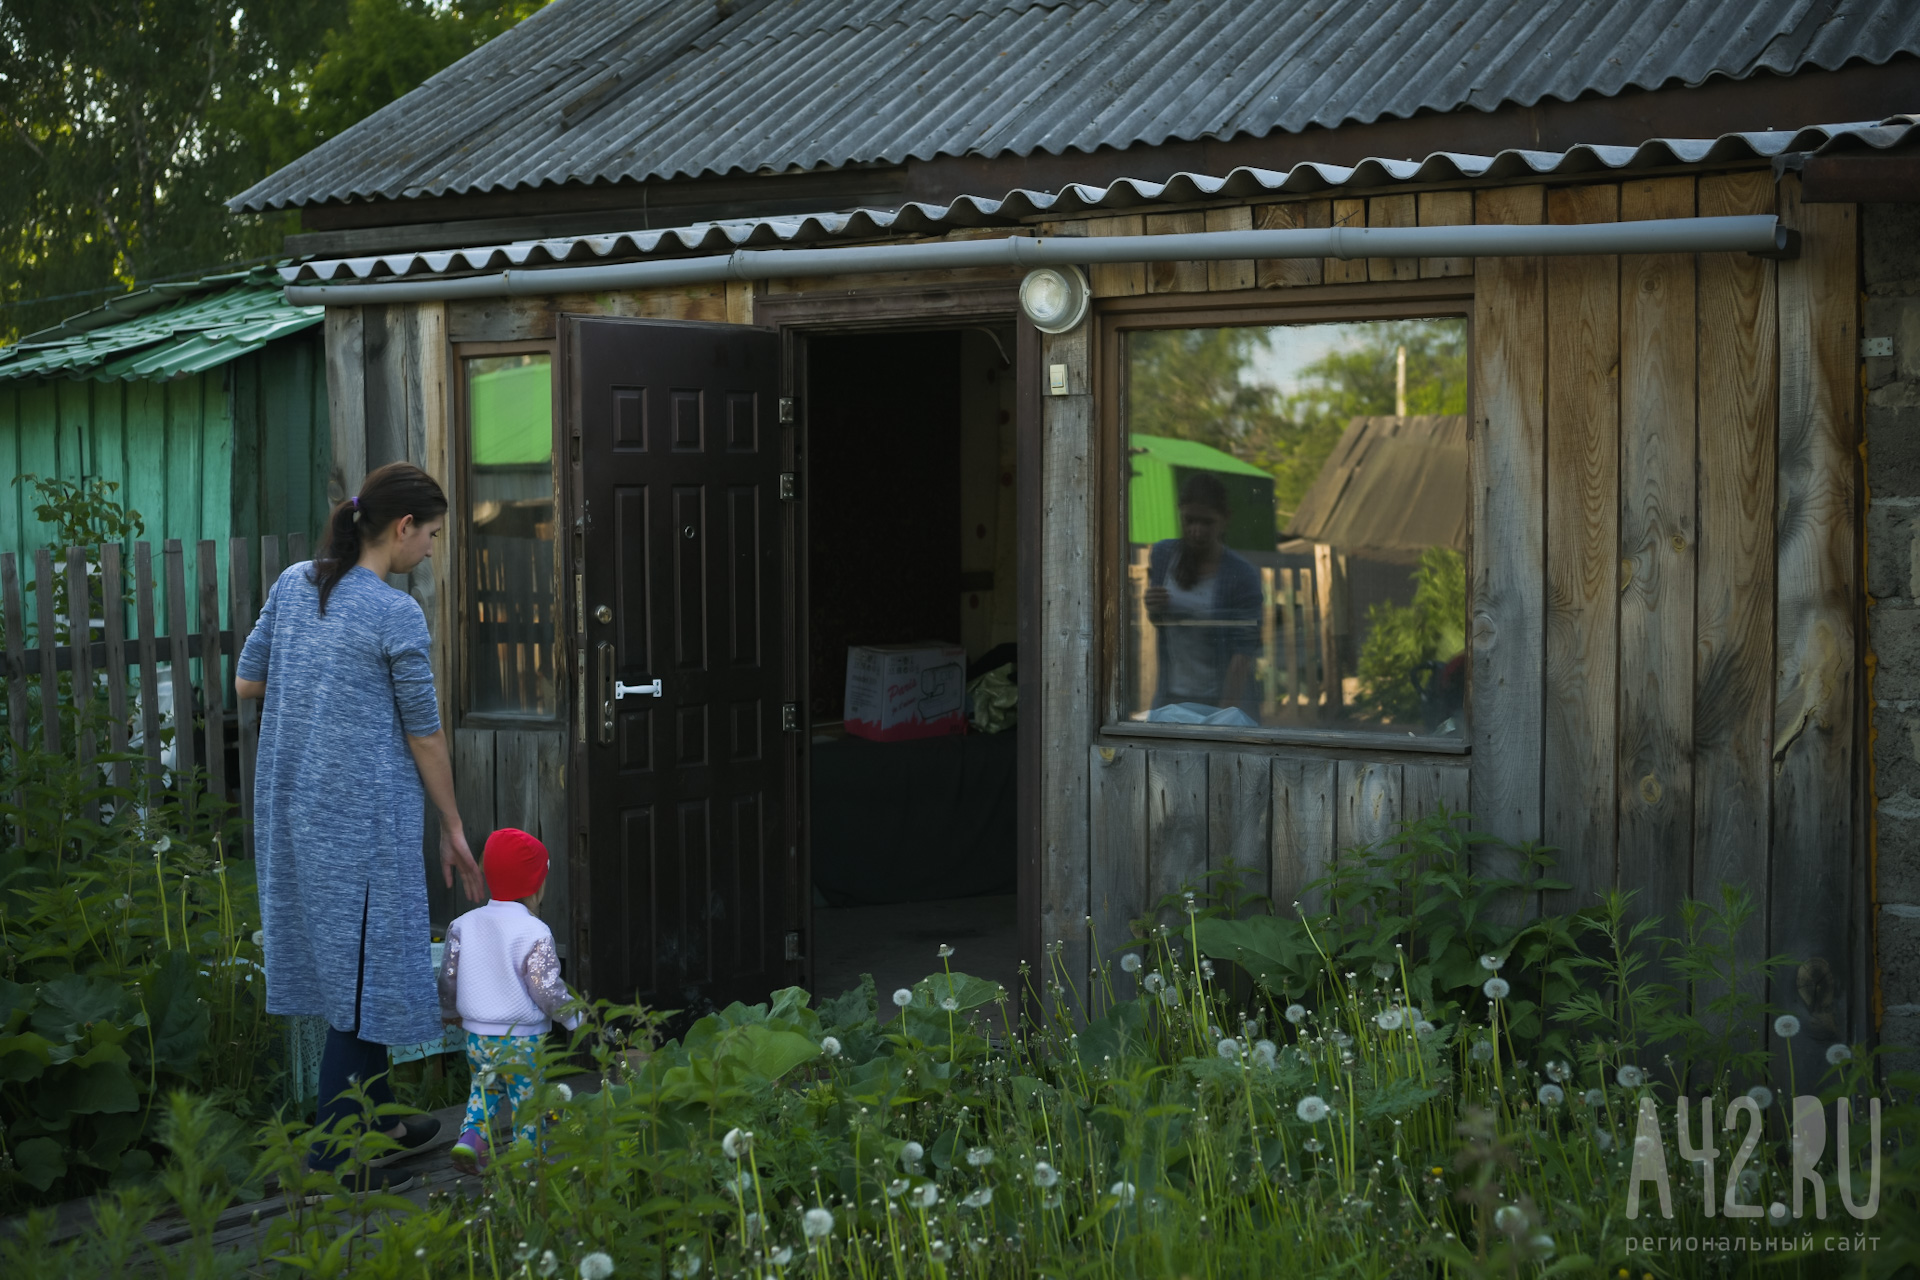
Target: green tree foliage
pixel 1403 639
pixel 1202 385
pixel 125 128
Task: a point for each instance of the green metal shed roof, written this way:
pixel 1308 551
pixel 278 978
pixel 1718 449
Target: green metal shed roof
pixel 170 331
pixel 1160 463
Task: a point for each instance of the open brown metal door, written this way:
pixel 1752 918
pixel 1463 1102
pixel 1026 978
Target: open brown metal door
pixel 687 901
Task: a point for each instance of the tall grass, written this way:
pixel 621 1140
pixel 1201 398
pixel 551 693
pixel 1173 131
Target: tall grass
pixel 1397 1085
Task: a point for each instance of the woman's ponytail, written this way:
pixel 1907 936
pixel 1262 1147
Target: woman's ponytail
pixel 388 493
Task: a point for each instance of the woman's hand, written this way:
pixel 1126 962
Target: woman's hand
pixel 455 856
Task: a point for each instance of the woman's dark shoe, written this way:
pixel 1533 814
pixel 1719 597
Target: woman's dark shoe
pixel 416 1132
pixel 365 1181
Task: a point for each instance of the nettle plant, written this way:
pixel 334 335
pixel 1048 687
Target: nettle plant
pixel 131 968
pixel 1420 1091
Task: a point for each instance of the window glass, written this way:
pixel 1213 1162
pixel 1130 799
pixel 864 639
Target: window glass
pixel 1296 526
pixel 511 623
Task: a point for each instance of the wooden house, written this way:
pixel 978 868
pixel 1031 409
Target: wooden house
pixel 762 446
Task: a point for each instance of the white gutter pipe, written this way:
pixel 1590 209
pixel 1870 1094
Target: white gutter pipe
pixel 1757 233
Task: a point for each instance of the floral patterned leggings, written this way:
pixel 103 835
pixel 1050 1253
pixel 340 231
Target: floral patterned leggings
pixel 501 1061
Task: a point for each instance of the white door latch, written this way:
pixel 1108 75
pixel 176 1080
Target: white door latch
pixel 635 690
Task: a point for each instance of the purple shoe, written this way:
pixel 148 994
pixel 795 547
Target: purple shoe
pixel 469 1154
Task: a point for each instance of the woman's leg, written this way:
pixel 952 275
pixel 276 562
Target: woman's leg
pixel 346 1060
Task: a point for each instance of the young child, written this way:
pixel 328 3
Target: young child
pixel 500 979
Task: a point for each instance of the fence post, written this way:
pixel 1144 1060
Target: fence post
pixel 113 606
pixel 212 692
pixel 182 674
pixel 49 662
pixel 80 644
pixel 149 649
pixel 16 623
pixel 240 617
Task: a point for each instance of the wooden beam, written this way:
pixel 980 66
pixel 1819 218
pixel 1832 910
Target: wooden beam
pixel 1582 585
pixel 1117 794
pixel 1507 562
pixel 346 401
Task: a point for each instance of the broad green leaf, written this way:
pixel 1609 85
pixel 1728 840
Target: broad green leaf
pixel 103 1088
pixel 24 1056
pixel 176 1014
pixel 767 1053
pixel 39 1162
pixel 69 1004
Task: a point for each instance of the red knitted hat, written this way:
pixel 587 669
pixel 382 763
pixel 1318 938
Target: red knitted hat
pixel 515 865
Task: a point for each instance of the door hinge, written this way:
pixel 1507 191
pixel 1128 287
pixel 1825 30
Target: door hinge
pixel 789 486
pixel 790 947
pixel 786 411
pixel 790 717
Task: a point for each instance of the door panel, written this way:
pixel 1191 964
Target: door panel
pixel 683 546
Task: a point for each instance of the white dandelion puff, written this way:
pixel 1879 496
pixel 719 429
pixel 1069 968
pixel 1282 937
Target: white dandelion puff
pixel 926 1195
pixel 1551 1095
pixel 1052 1200
pixel 939 1250
pixel 816 1224
pixel 830 1046
pixel 1296 1014
pixel 1482 1051
pixel 1228 1048
pixel 1423 1028
pixel 783 1255
pixel 1123 1190
pixel 1312 1108
pixel 1594 1098
pixel 1490 962
pixel 164 843
pixel 1838 1053
pixel 950 1004
pixel 912 1153
pixel 549 1263
pixel 978 1200
pixel 686 1266
pixel 1786 1026
pixel 1266 1052
pixel 1510 1218
pixel 903 997
pixel 1603 1139
pixel 1130 962
pixel 1389 1019
pixel 896 1188
pixel 1170 996
pixel 259 937
pixel 944 951
pixel 737 1143
pixel 1496 988
pixel 980 1157
pixel 1153 982
pixel 1559 1072
pixel 1044 1174
pixel 564 1092
pixel 1762 1095
pixel 1777 1211
pixel 1630 1077
pixel 596 1266
pixel 1312 1144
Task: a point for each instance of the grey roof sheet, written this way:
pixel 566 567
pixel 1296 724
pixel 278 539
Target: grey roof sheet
pixel 1020 206
pixel 606 90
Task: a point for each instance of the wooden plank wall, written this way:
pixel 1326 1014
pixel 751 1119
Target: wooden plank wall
pixel 1663 589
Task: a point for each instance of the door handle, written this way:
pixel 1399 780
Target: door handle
pixel 607 683
pixel 636 690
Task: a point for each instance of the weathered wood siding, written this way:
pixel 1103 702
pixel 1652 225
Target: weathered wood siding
pixel 1662 592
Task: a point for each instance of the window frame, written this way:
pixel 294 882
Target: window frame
pixel 1447 298
pixel 461 451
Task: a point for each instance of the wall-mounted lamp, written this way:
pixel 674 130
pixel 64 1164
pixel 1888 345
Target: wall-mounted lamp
pixel 1054 298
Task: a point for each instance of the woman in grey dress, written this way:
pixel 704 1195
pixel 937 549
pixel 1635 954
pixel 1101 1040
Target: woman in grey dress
pixel 350 745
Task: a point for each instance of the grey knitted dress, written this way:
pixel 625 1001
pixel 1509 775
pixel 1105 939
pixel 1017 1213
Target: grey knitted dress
pixel 338 807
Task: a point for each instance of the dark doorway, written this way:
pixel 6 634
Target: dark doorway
pixel 908 478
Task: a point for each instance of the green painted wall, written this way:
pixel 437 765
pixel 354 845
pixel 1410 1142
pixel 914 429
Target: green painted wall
pixel 236 451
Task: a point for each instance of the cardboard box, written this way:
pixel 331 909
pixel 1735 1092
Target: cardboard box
pixel 896 692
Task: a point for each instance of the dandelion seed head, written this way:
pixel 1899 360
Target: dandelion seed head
pixel 1266 1052
pixel 1490 962
pixel 1044 1174
pixel 259 935
pixel 980 1157
pixel 1551 1095
pixel 1510 1218
pixel 1312 1108
pixel 1389 1019
pixel 1296 1014
pixel 1838 1053
pixel 596 1266
pixel 830 1046
pixel 564 1092
pixel 1559 1072
pixel 903 997
pixel 736 1144
pixel 979 1199
pixel 1170 996
pixel 944 951
pixel 1153 982
pixel 1482 1051
pixel 1786 1026
pixel 1496 988
pixel 1130 962
pixel 1423 1028
pixel 926 1195
pixel 816 1223
pixel 1762 1095
pixel 1630 1077
pixel 1124 1190
pixel 1228 1048
pixel 1594 1098
pixel 912 1152
pixel 950 1004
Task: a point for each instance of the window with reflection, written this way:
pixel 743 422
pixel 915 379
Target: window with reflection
pixel 1295 527
pixel 512 601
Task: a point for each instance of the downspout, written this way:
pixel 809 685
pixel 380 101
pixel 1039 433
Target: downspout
pixel 1756 233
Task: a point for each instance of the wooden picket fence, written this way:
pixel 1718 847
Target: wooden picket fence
pixel 195 634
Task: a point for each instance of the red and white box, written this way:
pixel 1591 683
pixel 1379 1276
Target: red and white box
pixel 896 692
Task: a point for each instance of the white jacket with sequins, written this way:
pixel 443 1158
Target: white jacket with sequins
pixel 500 974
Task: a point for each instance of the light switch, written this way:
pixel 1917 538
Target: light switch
pixel 1056 379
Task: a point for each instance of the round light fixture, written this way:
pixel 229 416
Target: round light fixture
pixel 1054 298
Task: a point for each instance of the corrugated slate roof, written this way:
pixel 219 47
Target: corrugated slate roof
pixel 611 90
pixel 1128 193
pixel 167 332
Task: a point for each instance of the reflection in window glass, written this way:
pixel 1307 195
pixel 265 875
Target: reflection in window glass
pixel 511 628
pixel 1296 523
